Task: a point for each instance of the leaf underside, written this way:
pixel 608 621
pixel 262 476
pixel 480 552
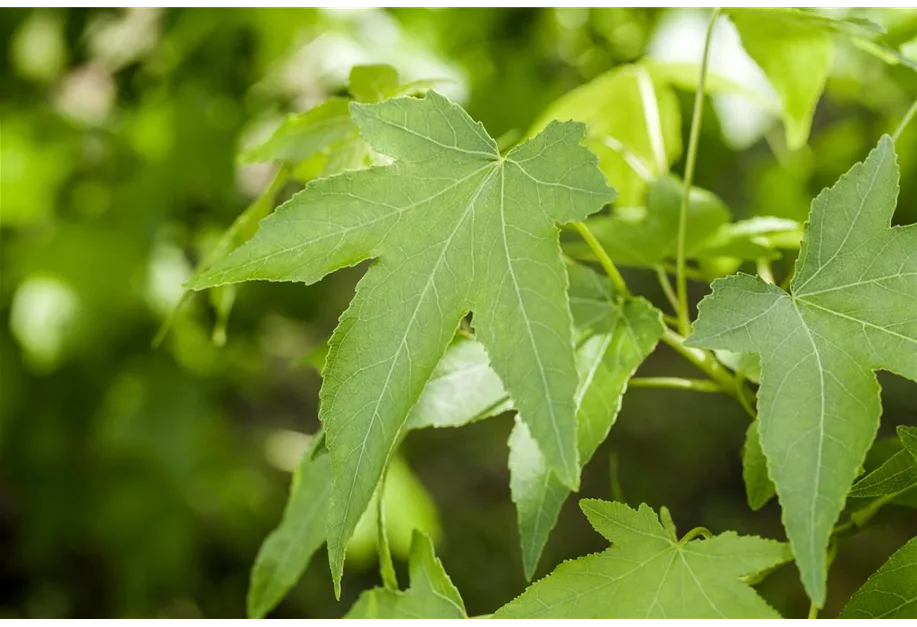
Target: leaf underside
pixel 891 592
pixel 850 311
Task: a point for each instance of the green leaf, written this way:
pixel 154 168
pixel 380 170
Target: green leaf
pixel 759 489
pixel 795 55
pixel 647 238
pixel 615 338
pixel 891 592
pixel 286 552
pixel 454 227
pixel 463 389
pixel 751 239
pixel 650 574
pixel 850 311
pixel 373 83
pixel 305 134
pixel 431 595
pixel 897 474
pixel 634 126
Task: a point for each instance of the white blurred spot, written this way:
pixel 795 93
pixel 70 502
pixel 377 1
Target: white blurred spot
pixel 44 311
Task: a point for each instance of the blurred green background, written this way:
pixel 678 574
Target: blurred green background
pixel 140 482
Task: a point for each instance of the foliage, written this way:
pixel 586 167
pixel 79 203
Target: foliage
pixel 518 220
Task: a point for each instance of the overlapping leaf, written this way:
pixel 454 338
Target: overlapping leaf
pixel 850 311
pixel 634 125
pixel 649 573
pixel 431 595
pixel 455 227
pixel 891 592
pixel 898 474
pixel 614 338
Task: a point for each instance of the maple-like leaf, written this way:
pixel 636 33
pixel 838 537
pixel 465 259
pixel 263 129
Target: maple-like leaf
pixel 649 573
pixel 431 595
pixel 454 227
pixel 850 311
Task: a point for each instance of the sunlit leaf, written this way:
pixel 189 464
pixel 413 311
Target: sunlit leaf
pixel 650 573
pixel 431 595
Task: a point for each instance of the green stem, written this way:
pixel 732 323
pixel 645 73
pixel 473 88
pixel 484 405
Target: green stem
pixel 666 286
pixel 904 122
pixel 697 531
pixel 386 566
pixel 675 383
pixel 813 610
pixel 690 163
pixel 765 271
pixel 703 360
pixel 607 264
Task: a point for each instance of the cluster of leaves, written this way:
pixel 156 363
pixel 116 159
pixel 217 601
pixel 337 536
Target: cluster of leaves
pixel 466 237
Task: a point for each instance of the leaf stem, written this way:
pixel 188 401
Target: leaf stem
pixel 675 383
pixel 666 286
pixel 386 566
pixel 607 264
pixel 813 610
pixel 905 121
pixel 697 531
pixel 690 163
pixel 703 360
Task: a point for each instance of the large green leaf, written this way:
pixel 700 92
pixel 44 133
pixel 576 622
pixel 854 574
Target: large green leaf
pixel 455 227
pixel 891 592
pixel 850 311
pixel 649 573
pixel 897 474
pixel 431 595
pixel 286 552
pixel 614 338
pixel 634 126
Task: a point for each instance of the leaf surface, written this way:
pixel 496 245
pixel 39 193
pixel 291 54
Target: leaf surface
pixel 891 592
pixel 796 56
pixel 453 226
pixel 897 474
pixel 431 595
pixel 650 574
pixel 850 311
pixel 286 552
pixel 615 337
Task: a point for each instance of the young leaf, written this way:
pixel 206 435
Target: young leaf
pixel 373 83
pixel 896 475
pixel 454 227
pixel 616 338
pixel 431 595
pixel 286 552
pixel 303 135
pixel 759 489
pixel 850 311
pixel 796 56
pixel 649 573
pixel 634 126
pixel 463 389
pixel 891 592
pixel 649 239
